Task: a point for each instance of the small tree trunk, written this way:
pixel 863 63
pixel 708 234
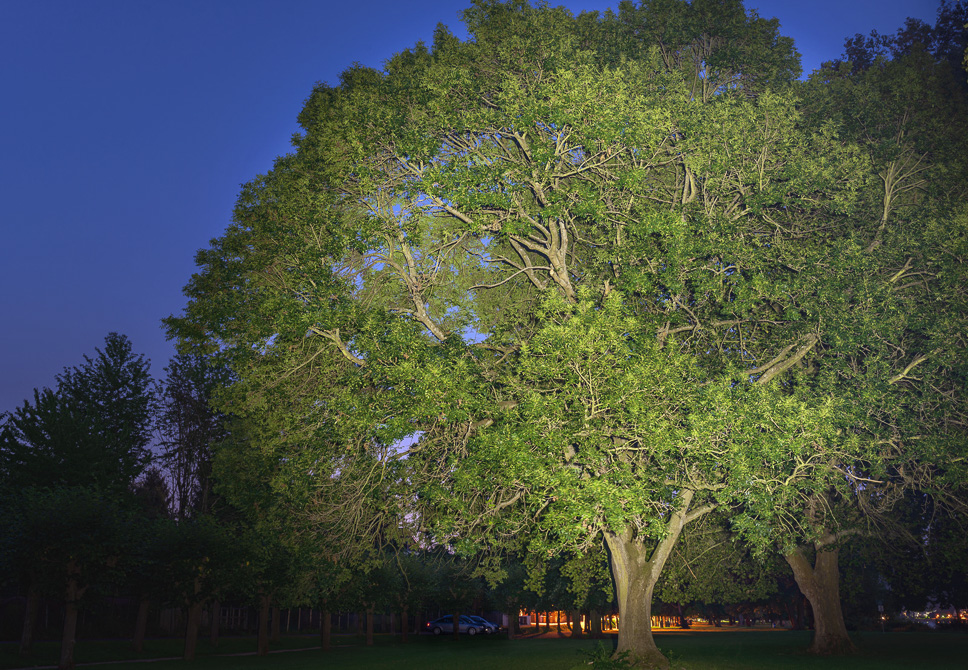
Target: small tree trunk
pixel 191 630
pixel 576 630
pixel 793 612
pixel 194 619
pixel 216 622
pixel 369 626
pixel 141 624
pixel 716 617
pixel 404 624
pixel 820 584
pixel 325 629
pixel 276 618
pixel 262 646
pixel 30 619
pixel 457 625
pixel 69 637
pixel 595 623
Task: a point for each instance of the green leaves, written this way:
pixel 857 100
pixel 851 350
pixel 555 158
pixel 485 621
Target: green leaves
pixel 92 430
pixel 568 276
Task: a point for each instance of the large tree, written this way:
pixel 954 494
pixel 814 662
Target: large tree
pixel 891 304
pixel 593 288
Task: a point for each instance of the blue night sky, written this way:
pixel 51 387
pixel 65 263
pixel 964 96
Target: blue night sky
pixel 127 126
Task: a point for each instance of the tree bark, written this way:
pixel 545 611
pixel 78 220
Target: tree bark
pixel 404 623
pixel 262 646
pixel 276 617
pixel 595 624
pixel 325 629
pixel 820 584
pixel 141 624
pixel 194 619
pixel 576 630
pixel 191 630
pixel 69 637
pixel 369 626
pixel 635 577
pixel 216 622
pixel 635 571
pixel 457 625
pixel 30 619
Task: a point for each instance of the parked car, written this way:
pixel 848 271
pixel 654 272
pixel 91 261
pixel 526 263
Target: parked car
pixel 486 626
pixel 445 624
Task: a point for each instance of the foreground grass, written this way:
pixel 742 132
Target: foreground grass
pixel 699 651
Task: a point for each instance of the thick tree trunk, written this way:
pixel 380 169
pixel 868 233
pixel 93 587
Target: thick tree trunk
pixel 635 578
pixel 216 622
pixel 635 571
pixel 820 584
pixel 141 624
pixel 369 626
pixel 30 619
pixel 457 625
pixel 262 646
pixel 404 623
pixel 325 629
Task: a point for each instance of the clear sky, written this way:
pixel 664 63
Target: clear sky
pixel 127 126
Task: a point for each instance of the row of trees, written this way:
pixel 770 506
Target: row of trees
pixel 588 280
pixel 84 505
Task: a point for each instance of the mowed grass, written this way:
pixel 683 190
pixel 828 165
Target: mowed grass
pixel 698 651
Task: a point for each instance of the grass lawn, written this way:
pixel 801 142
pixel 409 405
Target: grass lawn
pixel 698 651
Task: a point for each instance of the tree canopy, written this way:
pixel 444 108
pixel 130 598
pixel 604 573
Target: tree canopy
pixel 586 278
pixel 93 429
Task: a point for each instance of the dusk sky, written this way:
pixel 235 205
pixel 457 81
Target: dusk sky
pixel 127 126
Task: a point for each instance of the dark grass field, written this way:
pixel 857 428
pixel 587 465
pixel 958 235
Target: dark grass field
pixel 733 650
